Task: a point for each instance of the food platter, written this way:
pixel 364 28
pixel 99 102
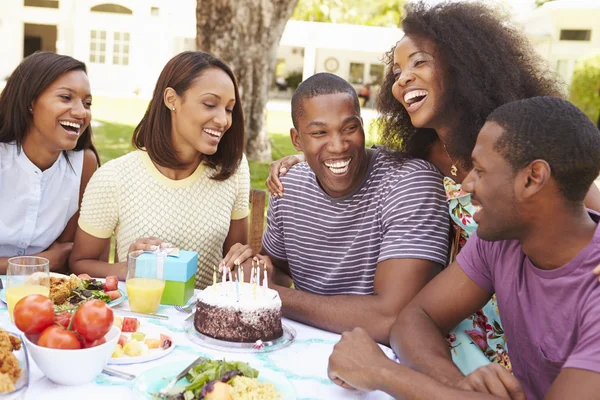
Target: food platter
pixel 68 307
pixel 150 331
pixel 153 380
pixel 289 334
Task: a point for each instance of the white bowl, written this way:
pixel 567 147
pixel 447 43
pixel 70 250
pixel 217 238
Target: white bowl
pixel 74 367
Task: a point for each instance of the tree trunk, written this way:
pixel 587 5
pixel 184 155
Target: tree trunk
pixel 246 34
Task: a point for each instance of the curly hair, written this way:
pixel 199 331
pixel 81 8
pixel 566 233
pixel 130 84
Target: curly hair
pixel 490 63
pixel 554 130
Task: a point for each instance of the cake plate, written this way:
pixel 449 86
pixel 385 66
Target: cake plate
pixel 289 334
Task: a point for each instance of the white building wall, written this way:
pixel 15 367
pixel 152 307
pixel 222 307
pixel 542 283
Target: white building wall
pixel 11 29
pixel 544 27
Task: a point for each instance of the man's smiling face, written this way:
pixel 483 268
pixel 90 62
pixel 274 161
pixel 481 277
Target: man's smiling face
pixel 331 136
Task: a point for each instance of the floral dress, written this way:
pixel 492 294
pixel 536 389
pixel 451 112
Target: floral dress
pixel 479 339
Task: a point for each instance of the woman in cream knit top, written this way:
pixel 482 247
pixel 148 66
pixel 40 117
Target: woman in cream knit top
pixel 131 197
pixel 186 184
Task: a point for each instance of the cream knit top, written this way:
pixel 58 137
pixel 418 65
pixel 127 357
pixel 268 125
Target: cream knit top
pixel 130 197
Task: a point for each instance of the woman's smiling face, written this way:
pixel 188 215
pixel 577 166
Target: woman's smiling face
pixel 419 81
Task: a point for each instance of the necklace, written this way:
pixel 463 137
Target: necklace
pixel 453 169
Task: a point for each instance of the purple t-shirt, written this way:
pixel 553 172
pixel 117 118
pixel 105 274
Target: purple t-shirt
pixel 551 318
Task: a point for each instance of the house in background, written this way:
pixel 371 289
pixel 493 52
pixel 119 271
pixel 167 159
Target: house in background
pixel 564 31
pixel 126 43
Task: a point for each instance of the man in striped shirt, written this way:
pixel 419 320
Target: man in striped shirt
pixel 360 231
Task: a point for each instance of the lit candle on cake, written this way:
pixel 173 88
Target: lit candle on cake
pixel 241 269
pixel 252 275
pixel 214 277
pixel 265 283
pixel 224 274
pixel 257 279
pixel 237 287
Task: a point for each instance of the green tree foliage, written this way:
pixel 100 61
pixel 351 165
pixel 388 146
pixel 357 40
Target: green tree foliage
pixel 358 12
pixel 584 91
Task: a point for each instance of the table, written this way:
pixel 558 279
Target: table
pixel 304 363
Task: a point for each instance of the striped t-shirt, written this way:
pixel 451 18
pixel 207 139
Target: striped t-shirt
pixel 333 245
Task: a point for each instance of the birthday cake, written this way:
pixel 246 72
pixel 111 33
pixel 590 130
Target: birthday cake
pixel 239 312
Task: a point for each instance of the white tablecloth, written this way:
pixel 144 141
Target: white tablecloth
pixel 304 363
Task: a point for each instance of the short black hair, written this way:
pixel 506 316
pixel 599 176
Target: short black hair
pixel 551 129
pixel 317 85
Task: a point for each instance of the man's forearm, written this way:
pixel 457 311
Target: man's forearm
pixel 402 382
pixel 338 313
pixel 418 343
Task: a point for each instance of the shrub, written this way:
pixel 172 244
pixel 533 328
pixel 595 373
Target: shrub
pixel 584 90
pixel 294 79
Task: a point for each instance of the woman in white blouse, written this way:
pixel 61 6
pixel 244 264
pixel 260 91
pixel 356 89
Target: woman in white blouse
pixel 46 157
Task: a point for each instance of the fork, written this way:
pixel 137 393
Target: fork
pixel 186 309
pixel 163 393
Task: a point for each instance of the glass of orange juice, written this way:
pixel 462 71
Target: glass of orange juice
pixel 26 275
pixel 145 280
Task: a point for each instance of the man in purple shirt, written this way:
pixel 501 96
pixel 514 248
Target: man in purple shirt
pixel 536 247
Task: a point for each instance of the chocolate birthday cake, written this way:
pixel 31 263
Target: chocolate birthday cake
pixel 244 313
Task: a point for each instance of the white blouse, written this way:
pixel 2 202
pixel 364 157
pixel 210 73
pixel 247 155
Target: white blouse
pixel 35 205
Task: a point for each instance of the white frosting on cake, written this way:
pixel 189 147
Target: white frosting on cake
pixel 247 297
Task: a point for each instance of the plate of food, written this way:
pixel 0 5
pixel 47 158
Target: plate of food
pixel 15 366
pixel 140 342
pixel 67 292
pixel 215 380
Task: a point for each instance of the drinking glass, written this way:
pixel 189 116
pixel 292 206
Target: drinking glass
pixel 145 280
pixel 26 275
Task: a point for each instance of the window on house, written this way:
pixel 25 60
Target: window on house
pixel 98 47
pixel 376 73
pixel 120 48
pixel 111 8
pixel 584 35
pixel 357 73
pixel 41 3
pixel 154 11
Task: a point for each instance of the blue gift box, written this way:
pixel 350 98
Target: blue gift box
pixel 177 268
pixel 179 275
pixel 182 267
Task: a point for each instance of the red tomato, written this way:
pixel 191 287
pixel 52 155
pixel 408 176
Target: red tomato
pixel 57 337
pixel 86 345
pixel 129 324
pixel 33 313
pixel 111 283
pixel 93 320
pixel 63 319
pixel 113 294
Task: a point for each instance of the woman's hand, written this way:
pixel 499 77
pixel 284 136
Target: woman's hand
pixel 237 255
pixel 148 244
pixel 280 167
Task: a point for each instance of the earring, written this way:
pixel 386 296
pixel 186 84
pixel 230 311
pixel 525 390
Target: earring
pixel 30 110
pixel 173 108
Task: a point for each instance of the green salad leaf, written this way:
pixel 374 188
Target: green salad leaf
pixel 213 370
